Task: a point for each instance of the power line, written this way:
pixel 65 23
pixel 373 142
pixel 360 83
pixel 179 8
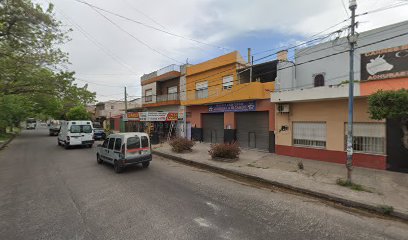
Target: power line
pixel 314 35
pixel 345 9
pixel 383 8
pixel 149 26
pixel 131 35
pixel 147 16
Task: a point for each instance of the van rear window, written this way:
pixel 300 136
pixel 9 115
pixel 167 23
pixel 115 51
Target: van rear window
pixel 80 129
pixel 133 142
pixel 145 142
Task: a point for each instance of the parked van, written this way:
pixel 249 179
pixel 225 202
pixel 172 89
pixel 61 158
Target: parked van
pixel 76 133
pixel 125 149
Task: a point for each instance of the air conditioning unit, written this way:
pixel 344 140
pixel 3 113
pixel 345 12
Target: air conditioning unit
pixel 283 108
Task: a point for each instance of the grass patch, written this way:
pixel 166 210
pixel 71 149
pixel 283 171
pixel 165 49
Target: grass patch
pixel 385 209
pixel 5 137
pixel 351 185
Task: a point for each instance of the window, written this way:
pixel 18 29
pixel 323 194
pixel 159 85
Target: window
pixel 227 82
pixel 367 137
pixel 202 90
pixel 309 134
pixel 111 143
pixel 148 95
pixel 319 80
pixel 80 129
pixel 172 93
pixel 112 107
pixel 133 142
pixel 118 143
pixel 145 142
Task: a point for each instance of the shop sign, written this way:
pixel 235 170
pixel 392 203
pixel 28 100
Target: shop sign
pixel 385 63
pixel 233 107
pixel 152 116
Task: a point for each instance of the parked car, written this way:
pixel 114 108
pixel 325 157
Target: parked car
pixel 99 132
pixel 76 133
pixel 125 149
pixel 54 129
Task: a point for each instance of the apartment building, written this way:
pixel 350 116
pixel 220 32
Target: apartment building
pixel 312 107
pixel 226 101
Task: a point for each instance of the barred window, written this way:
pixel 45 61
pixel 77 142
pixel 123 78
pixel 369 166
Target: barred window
pixel 309 134
pixel 367 137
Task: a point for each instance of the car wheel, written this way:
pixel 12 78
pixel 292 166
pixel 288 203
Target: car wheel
pixel 90 146
pixel 59 143
pixel 66 146
pixel 98 159
pixel 117 167
pixel 145 164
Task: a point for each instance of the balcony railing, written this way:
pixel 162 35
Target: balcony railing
pixel 168 97
pixel 170 68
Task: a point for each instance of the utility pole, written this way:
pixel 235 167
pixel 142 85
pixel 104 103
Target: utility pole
pixel 125 101
pixel 352 41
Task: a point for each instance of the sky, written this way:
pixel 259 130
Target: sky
pixel 108 52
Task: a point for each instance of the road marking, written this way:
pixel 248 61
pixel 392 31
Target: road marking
pixel 202 222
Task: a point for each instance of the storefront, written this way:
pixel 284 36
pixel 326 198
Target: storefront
pixel 159 125
pixel 249 123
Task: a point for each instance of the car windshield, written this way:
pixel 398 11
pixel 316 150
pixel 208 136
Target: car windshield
pixel 81 129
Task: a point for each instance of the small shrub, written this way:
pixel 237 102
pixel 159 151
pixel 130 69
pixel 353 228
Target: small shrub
pixel 351 185
pixel 385 209
pixel 223 150
pixel 179 145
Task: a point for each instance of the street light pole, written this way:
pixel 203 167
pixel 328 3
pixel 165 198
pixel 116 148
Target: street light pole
pixel 352 41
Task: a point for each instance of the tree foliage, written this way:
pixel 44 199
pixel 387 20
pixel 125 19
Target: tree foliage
pixel 33 79
pixel 391 105
pixel 78 113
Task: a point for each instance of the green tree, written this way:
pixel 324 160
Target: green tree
pixel 78 113
pixel 31 79
pixel 392 105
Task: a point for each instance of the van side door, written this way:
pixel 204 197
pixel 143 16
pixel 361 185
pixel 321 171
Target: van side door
pixel 104 150
pixel 116 149
pixel 109 150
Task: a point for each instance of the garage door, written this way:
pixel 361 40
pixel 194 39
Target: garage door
pixel 253 130
pixel 213 127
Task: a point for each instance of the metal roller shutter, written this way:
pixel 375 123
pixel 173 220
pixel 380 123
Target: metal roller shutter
pixel 253 130
pixel 213 127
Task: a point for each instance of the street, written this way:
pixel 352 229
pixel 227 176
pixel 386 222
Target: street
pixel 48 192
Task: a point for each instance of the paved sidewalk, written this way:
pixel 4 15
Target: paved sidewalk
pixel 387 188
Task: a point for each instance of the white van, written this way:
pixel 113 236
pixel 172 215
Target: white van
pixel 76 133
pixel 125 149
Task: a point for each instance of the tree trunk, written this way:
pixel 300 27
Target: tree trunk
pixel 404 127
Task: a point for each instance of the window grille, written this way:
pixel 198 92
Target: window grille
pixel 309 134
pixel 367 137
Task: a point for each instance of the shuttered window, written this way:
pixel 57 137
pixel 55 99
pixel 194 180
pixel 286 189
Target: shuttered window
pixel 202 90
pixel 227 82
pixel 367 137
pixel 309 134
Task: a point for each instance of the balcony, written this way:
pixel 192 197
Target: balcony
pixel 169 72
pixel 238 92
pixel 161 100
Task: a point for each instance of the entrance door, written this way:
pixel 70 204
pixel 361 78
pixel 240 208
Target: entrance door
pixel 396 152
pixel 253 130
pixel 213 127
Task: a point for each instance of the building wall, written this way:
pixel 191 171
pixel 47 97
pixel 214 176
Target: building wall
pixel 335 72
pixel 333 112
pixel 369 87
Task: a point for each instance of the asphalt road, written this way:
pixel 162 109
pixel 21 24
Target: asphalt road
pixel 47 192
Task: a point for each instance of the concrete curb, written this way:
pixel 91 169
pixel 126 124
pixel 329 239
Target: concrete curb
pixel 323 196
pixel 3 145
